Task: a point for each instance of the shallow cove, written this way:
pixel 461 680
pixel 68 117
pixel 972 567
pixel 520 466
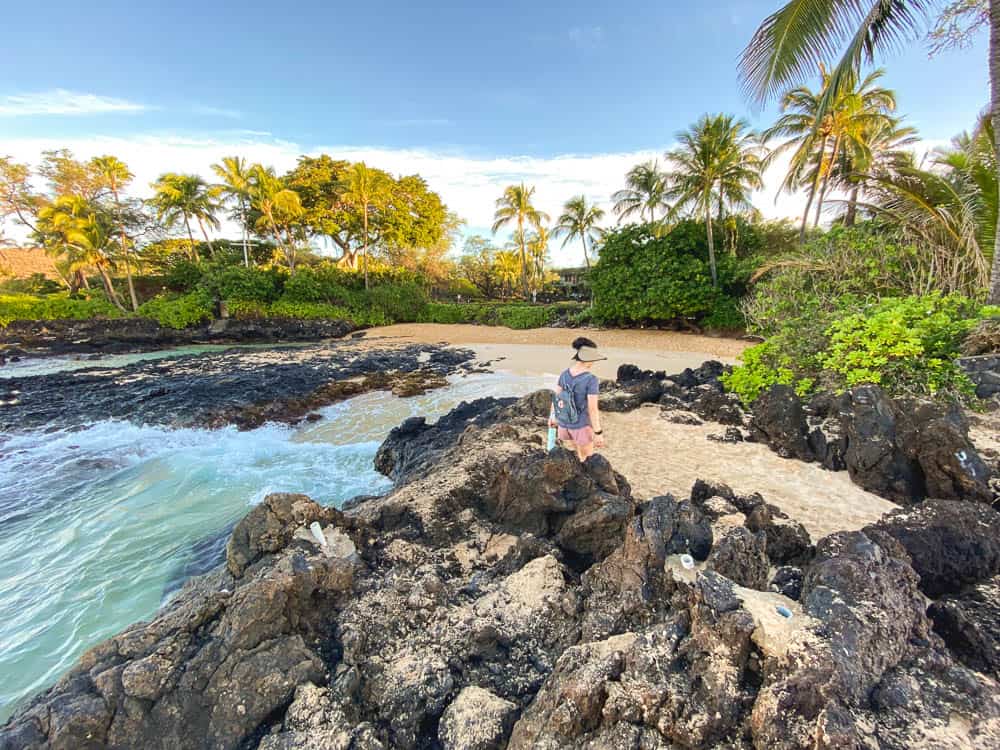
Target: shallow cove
pixel 99 523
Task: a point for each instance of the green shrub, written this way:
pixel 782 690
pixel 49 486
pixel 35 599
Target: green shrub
pixel 522 317
pixel 245 284
pixel 53 307
pixel 725 317
pixel 182 311
pixel 645 278
pixel 37 283
pixel 286 308
pixel 183 275
pixel 908 345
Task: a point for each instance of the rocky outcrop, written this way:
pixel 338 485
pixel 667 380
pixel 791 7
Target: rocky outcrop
pixel 903 450
pixel 951 544
pixel 243 387
pixel 121 335
pixel 505 596
pixel 969 622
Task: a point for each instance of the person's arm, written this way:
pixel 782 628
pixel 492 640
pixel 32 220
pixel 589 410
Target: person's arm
pixel 594 411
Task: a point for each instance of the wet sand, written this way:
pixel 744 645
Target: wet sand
pixel 547 350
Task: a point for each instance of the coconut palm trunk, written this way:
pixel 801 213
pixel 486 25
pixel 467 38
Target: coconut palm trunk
pixel 194 248
pixel 524 258
pixel 826 179
pixel 211 249
pixel 586 257
pixel 994 292
pixel 813 190
pixel 246 250
pixel 128 266
pixel 365 248
pixel 852 207
pixel 711 242
pixel 109 288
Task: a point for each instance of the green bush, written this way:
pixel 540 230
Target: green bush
pixel 183 275
pixel 908 345
pixel 645 278
pixel 53 307
pixel 243 284
pixel 522 317
pixel 285 308
pixel 37 283
pixel 182 311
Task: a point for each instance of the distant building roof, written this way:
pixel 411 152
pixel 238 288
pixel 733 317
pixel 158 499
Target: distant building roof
pixel 22 262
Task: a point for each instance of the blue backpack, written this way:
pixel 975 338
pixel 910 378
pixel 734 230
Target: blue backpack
pixel 564 406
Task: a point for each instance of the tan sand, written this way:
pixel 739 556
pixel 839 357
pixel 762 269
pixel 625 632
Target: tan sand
pixel 658 456
pixel 655 455
pixel 547 350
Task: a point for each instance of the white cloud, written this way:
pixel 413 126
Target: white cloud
pixel 469 184
pixel 63 102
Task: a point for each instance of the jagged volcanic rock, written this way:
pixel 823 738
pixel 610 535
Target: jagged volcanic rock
pixel 501 585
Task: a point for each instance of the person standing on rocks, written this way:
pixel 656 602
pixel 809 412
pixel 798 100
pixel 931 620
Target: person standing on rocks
pixel 574 405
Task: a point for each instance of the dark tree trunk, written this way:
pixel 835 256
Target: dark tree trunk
pixel 852 207
pixel 994 292
pixel 711 244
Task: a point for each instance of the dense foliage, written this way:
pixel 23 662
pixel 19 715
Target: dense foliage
pixel 908 345
pixel 642 277
pixel 53 307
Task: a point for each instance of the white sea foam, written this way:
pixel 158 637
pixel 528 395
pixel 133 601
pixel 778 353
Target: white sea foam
pixel 96 523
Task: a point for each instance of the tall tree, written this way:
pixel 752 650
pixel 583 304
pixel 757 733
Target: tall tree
pixel 579 219
pixel 235 185
pixel 71 226
pixel 715 168
pixel 366 190
pixel 185 197
pixel 115 176
pixel 279 211
pixel 645 192
pixel 515 206
pixel 818 144
pixel 804 33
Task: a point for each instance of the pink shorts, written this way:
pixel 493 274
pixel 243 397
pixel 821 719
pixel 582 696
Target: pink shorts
pixel 580 436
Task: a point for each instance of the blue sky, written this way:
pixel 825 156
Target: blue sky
pixel 508 90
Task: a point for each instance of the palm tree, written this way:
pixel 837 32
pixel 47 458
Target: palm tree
pixel 805 33
pixel 859 109
pixel 115 175
pixel 280 210
pixel 537 244
pixel 645 190
pixel 579 220
pixel 515 205
pixel 508 268
pixel 949 211
pixel 366 190
pixel 884 152
pixel 184 197
pixel 236 179
pixel 716 166
pixel 70 226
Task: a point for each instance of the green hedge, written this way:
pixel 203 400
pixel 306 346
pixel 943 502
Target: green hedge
pixel 642 277
pixel 53 307
pixel 183 311
pixel 517 316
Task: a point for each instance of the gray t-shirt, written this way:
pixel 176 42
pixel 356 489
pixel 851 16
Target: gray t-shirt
pixel 582 385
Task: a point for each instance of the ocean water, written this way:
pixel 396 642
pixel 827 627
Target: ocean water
pixel 100 524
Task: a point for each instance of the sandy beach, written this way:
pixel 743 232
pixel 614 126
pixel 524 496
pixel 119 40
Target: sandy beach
pixel 541 351
pixel 655 455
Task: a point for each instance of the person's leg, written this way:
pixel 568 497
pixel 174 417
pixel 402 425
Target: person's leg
pixel 585 451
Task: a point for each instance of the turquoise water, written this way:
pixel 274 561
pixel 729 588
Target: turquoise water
pixel 48 365
pixel 99 525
